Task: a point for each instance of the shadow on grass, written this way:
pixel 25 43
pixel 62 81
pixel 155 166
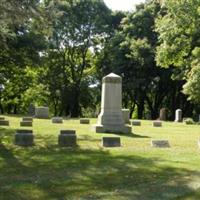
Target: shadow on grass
pixel 50 172
pixel 133 135
pixel 88 138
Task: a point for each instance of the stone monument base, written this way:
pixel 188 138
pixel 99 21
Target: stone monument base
pixel 112 129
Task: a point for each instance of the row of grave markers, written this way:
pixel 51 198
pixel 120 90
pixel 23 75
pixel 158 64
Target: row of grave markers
pixel 28 121
pixel 67 138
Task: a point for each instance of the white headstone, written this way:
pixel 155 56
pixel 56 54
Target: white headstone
pixel 111 118
pixel 126 115
pixel 178 115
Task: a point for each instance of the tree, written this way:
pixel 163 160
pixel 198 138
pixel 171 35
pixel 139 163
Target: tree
pixel 78 27
pixel 179 42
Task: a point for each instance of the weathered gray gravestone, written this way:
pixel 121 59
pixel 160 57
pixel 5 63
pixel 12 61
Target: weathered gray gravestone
pixel 157 123
pixel 29 119
pixel 163 114
pixel 57 120
pixel 136 123
pixel 24 137
pixel 160 143
pixel 67 138
pixel 31 110
pixel 111 118
pixel 126 115
pixel 178 115
pixel 26 123
pixel 4 122
pixel 111 142
pixel 84 121
pixel 42 112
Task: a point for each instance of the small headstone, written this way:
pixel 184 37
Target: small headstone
pixel 67 138
pixel 57 120
pixel 111 141
pixel 157 123
pixel 163 114
pixel 31 110
pixel 4 123
pixel 84 121
pixel 42 112
pixel 24 137
pixel 136 123
pixel 160 143
pixel 29 119
pixel 178 115
pixel 126 115
pixel 67 132
pixel 26 123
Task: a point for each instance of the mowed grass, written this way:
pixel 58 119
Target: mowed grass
pixel 135 171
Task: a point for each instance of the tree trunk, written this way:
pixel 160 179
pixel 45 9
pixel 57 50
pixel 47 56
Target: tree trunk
pixel 75 106
pixel 140 109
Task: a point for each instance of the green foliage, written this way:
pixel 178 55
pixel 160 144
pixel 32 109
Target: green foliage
pixel 77 27
pixel 192 87
pixel 189 121
pixel 178 32
pixel 179 42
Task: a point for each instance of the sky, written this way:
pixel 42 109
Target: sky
pixel 124 5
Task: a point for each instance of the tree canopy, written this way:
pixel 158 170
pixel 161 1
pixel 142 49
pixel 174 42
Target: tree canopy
pixel 55 53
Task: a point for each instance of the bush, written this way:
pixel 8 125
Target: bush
pixel 189 121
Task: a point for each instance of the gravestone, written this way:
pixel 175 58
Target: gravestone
pixel 4 122
pixel 163 114
pixel 2 118
pixel 157 123
pixel 160 143
pixel 67 138
pixel 26 123
pixel 111 119
pixel 68 132
pixel 111 142
pixel 24 137
pixel 136 123
pixel 57 120
pixel 84 121
pixel 126 115
pixel 42 112
pixel 31 110
pixel 29 119
pixel 178 115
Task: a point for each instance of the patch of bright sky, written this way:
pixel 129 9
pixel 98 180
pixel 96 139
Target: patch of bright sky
pixel 123 5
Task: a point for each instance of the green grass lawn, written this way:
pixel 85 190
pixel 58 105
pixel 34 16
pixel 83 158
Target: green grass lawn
pixel 135 171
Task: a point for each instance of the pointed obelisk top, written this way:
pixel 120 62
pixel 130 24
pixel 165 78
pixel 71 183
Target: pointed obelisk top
pixel 112 78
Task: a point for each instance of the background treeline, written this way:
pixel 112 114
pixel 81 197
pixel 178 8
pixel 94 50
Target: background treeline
pixel 55 53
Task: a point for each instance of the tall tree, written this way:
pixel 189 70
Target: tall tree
pixel 78 27
pixel 179 42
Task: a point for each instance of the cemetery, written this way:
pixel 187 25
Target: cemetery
pixel 100 100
